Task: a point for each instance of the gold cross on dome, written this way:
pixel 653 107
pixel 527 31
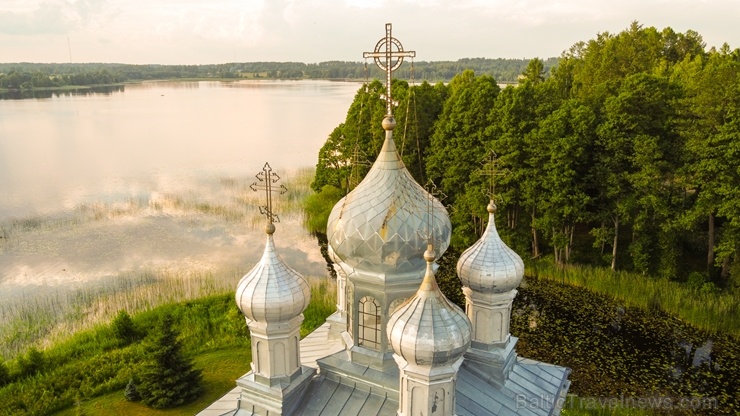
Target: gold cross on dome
pixel 388 56
pixel 267 178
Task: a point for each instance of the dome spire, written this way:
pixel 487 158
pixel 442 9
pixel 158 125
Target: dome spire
pixel 429 335
pixel 272 296
pixel 490 272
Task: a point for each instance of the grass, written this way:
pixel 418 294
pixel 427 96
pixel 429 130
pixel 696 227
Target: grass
pixel 88 371
pixel 220 370
pixel 714 311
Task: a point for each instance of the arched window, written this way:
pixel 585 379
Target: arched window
pixel 368 324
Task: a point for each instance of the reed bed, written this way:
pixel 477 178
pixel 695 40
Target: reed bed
pixel 716 311
pixel 43 315
pixel 46 319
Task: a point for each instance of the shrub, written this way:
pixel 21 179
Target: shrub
pixel 32 363
pixel 4 373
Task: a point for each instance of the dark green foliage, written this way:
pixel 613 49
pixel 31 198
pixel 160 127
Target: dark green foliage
pixel 622 156
pixel 124 329
pixel 93 364
pixel 167 378
pixel 616 351
pixel 131 392
pixel 447 279
pixel 4 373
pixel 318 206
pixel 32 363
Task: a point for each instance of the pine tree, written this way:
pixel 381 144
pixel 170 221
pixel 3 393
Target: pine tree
pixel 168 378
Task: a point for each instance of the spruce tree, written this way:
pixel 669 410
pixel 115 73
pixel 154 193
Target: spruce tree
pixel 132 392
pixel 167 378
pixel 124 329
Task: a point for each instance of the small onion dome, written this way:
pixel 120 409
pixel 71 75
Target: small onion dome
pixel 379 226
pixel 428 329
pixel 272 291
pixel 490 265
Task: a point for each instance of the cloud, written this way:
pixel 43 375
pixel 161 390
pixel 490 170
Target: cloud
pixel 50 17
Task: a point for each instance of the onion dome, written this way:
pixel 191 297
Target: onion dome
pixel 428 329
pixel 379 226
pixel 490 265
pixel 272 291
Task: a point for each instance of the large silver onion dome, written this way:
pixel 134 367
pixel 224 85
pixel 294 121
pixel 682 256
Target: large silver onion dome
pixel 380 225
pixel 490 265
pixel 272 291
pixel 428 329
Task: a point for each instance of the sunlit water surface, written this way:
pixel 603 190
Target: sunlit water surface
pixel 93 185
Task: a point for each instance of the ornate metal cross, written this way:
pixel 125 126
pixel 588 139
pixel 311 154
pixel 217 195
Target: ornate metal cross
pixel 432 192
pixel 269 178
pixel 392 60
pixel 490 169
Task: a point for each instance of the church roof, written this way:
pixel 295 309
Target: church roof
pixel 533 388
pixel 428 329
pixel 490 265
pixel 378 226
pixel 272 291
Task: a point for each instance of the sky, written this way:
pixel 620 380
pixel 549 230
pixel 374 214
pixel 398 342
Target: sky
pixel 312 31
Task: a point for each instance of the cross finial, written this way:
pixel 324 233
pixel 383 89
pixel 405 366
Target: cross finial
pixel 491 169
pixel 392 57
pixel 269 178
pixel 432 192
pixel 359 158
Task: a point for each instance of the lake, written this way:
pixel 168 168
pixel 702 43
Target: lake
pixel 154 176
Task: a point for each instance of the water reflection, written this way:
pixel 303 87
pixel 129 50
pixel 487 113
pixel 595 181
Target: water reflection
pixel 40 94
pixel 57 153
pixel 153 175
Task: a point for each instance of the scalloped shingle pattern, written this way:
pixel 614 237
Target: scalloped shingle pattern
pixel 381 225
pixel 428 329
pixel 272 291
pixel 490 265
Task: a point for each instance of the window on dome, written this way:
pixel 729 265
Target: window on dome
pixel 368 324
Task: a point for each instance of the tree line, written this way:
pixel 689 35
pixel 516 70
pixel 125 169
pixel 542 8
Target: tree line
pixel 17 76
pixel 625 155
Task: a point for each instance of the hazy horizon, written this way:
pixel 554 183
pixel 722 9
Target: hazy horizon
pixel 188 32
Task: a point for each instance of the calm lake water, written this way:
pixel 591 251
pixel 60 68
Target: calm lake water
pixel 68 149
pixel 152 177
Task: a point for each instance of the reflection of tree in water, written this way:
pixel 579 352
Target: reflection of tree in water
pixel 24 94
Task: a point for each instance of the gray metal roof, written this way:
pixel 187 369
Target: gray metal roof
pixel 533 388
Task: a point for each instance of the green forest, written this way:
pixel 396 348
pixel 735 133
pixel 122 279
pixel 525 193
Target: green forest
pixel 624 155
pixel 24 76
